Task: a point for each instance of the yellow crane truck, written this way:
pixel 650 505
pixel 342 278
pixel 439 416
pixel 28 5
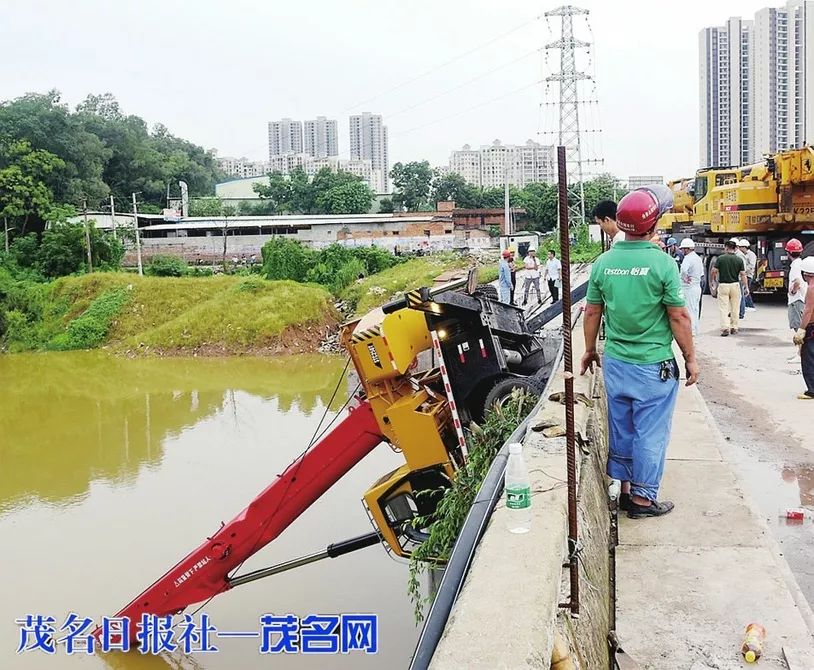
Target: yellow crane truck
pixel 767 203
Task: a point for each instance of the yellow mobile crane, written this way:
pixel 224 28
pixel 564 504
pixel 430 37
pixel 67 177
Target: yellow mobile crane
pixel 767 203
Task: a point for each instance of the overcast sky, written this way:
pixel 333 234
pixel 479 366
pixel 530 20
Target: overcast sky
pixel 215 72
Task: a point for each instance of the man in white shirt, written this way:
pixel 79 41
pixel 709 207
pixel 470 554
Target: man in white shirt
pixel 750 262
pixel 553 274
pixel 605 217
pixel 797 287
pixel 531 265
pixel 692 272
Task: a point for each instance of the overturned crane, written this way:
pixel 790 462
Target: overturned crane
pixel 427 364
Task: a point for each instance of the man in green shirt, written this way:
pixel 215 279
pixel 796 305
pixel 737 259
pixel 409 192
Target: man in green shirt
pixel 730 273
pixel 638 289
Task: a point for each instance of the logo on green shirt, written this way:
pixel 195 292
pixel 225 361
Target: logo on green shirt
pixel 636 282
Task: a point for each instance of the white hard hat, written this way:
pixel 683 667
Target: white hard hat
pixel 807 265
pixel 736 240
pixel 743 242
pixel 687 243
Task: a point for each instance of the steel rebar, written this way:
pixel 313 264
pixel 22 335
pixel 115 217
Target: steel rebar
pixel 568 366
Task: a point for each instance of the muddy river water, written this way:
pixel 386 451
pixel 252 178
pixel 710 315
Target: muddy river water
pixel 111 470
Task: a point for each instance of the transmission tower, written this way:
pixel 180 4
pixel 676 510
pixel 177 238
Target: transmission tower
pixel 570 135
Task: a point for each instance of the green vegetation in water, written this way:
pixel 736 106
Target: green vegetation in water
pixel 483 443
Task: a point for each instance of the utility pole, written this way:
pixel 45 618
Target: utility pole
pixel 570 135
pixel 138 237
pixel 5 231
pixel 87 234
pixel 225 232
pixel 113 215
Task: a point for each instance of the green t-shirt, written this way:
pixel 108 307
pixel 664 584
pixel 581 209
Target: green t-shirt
pixel 729 268
pixel 636 281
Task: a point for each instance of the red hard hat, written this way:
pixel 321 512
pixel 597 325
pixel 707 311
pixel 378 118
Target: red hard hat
pixel 637 212
pixel 794 246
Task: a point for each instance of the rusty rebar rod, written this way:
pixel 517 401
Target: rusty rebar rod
pixel 568 365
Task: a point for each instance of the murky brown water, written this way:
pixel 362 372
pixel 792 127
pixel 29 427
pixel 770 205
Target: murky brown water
pixel 111 470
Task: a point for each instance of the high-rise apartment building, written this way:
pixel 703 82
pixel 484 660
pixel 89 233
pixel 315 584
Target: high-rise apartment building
pixel 757 85
pixel 285 137
pixel 368 141
pixel 321 137
pixel 492 164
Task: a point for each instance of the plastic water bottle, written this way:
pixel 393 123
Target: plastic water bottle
pixel 518 491
pixel 752 648
pixel 614 490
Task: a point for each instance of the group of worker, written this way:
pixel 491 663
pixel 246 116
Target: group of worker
pixel 646 305
pixel 532 272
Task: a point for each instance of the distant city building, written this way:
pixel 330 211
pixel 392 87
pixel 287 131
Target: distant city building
pixel 245 170
pixel 757 85
pixel 368 141
pixel 286 163
pixel 726 80
pixel 466 163
pixel 285 137
pixel 321 137
pixel 360 168
pixel 243 167
pixel 493 164
pixel 637 181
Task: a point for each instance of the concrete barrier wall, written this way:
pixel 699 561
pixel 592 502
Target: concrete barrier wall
pixel 507 613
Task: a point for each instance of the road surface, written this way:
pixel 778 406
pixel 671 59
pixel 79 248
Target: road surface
pixel 750 382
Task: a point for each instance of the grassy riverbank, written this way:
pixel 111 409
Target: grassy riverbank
pixel 172 315
pixel 217 315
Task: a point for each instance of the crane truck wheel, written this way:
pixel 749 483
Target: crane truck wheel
pixel 504 386
pixel 712 286
pixel 487 291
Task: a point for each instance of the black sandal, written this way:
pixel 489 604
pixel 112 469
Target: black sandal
pixel 653 509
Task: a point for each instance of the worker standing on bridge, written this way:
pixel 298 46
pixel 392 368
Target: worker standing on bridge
pixel 605 217
pixel 797 287
pixel 730 273
pixel 531 278
pixel 638 289
pixel 804 336
pixel 750 262
pixel 504 278
pixel 692 272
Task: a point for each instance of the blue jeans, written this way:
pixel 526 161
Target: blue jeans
pixel 505 291
pixel 640 411
pixel 742 311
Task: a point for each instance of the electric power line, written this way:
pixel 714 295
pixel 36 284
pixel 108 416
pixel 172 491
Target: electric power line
pixel 463 84
pixel 468 109
pixel 432 70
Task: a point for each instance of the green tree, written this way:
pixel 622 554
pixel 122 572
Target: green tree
pixel 599 188
pixel 354 197
pixel 63 251
pixel 386 206
pixel 303 197
pixel 24 192
pixel 276 194
pixel 540 202
pixel 205 207
pixel 104 150
pixel 453 186
pixel 412 182
pixel 286 259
